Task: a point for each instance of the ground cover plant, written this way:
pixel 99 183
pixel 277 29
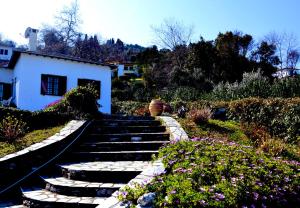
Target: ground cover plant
pixel 228 163
pixel 27 140
pixel 208 172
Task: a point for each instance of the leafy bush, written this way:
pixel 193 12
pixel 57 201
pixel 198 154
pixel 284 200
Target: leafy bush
pixel 254 84
pixel 35 120
pixel 213 173
pixel 12 128
pixel 80 102
pixel 280 117
pixel 200 116
pixel 128 107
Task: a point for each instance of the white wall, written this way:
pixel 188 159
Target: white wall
pixel 6 75
pixel 120 70
pixel 6 57
pixel 28 72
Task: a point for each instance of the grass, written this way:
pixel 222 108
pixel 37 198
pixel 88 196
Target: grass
pixel 29 139
pixel 233 131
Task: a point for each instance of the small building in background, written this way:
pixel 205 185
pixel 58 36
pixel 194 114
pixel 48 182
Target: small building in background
pixel 287 72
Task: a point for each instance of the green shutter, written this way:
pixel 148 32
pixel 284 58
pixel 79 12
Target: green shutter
pixel 7 91
pixel 44 84
pixel 62 86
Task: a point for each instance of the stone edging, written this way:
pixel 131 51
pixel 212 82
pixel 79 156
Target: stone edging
pixel 174 128
pixel 71 127
pixel 154 168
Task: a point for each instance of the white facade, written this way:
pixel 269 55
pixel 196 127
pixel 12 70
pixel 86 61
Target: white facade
pixel 5 52
pixel 6 75
pixel 27 80
pixel 120 70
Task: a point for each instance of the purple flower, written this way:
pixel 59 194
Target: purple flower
pixel 202 202
pixel 219 196
pixel 173 192
pixel 255 196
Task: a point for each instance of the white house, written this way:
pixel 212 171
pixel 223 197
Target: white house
pixel 127 69
pixel 287 72
pixel 34 79
pixel 5 52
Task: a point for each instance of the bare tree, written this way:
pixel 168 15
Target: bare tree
pixel 68 22
pixel 172 33
pixel 287 48
pixel 292 59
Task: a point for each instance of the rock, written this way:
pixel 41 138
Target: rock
pixel 147 200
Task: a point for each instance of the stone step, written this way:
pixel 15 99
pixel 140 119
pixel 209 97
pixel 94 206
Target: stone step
pixel 113 172
pixel 124 146
pixel 127 129
pixel 120 137
pixel 11 204
pixel 112 156
pixel 65 186
pixel 36 197
pixel 122 117
pixel 113 122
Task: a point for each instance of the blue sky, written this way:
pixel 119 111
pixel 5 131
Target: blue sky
pixel 130 20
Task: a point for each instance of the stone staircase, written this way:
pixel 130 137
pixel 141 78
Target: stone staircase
pixel 110 153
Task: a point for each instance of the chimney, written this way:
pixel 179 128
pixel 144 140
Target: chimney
pixel 32 35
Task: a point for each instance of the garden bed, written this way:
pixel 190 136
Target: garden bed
pixel 29 139
pixel 214 173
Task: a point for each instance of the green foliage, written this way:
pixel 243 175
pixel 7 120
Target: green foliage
pixel 35 120
pixel 281 117
pixel 12 128
pixel 27 140
pixel 131 192
pixel 213 173
pixel 80 102
pixel 127 107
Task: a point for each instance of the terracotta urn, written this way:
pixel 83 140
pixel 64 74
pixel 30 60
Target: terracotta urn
pixel 156 107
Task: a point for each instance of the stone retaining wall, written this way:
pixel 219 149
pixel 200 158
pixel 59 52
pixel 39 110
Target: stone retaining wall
pixel 20 163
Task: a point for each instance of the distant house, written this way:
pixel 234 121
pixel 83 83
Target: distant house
pixel 32 80
pixel 127 69
pixel 287 72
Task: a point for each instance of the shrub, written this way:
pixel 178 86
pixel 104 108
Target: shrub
pixel 143 111
pixel 12 128
pixel 186 94
pixel 127 107
pixel 200 116
pixel 80 102
pixel 280 117
pixel 35 120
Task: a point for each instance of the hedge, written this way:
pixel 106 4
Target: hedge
pixel 36 120
pixel 280 116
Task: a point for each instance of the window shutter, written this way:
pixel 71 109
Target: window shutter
pixel 98 86
pixel 62 86
pixel 6 91
pixel 44 84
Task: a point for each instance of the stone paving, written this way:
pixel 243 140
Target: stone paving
pixel 108 166
pixel 147 170
pixel 43 195
pixel 61 181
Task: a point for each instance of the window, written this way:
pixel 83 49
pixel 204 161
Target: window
pixel 5 91
pixel 1 51
pixel 97 84
pixel 53 85
pixel 5 52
